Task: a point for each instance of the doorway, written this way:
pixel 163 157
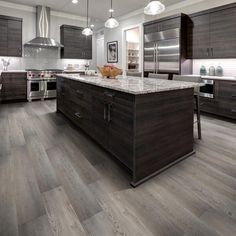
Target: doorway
pixel 133 50
pixel 100 51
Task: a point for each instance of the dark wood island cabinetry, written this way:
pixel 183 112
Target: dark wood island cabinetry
pixel 147 132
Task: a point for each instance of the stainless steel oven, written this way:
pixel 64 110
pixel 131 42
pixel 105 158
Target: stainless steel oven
pixel 207 90
pixel 50 88
pixel 41 84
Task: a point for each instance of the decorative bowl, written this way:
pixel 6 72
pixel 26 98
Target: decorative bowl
pixel 109 71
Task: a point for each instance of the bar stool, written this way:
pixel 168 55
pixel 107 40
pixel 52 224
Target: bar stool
pixel 158 76
pixel 134 74
pixel 196 79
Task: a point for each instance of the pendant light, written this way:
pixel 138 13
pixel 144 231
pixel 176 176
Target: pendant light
pixel 154 7
pixel 111 22
pixel 87 31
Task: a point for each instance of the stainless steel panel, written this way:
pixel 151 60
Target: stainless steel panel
pixel 168 55
pixel 150 57
pixel 163 35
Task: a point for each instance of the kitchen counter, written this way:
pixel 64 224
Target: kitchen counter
pixel 147 124
pixel 229 78
pixel 132 85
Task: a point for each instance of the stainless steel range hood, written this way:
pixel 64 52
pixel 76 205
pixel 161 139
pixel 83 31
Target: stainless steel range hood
pixel 43 30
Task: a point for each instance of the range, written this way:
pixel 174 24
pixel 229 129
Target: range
pixel 41 84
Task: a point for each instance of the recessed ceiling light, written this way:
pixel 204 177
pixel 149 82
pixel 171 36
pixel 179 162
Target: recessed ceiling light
pixel 75 1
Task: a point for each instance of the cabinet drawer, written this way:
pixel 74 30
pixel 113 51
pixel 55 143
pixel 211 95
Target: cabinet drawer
pixel 228 109
pixel 226 90
pixel 209 105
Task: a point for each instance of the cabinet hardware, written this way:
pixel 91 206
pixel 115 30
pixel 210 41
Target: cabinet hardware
pixel 207 52
pixel 109 113
pixel 77 114
pixel 105 112
pixel 211 51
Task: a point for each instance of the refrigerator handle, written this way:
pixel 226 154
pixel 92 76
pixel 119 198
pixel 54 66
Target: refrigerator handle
pixel 157 61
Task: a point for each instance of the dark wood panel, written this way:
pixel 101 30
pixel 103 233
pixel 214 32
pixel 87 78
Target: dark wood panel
pixel 14 86
pixel 223 33
pixel 76 45
pixel 10 36
pixel 198 42
pixel 165 134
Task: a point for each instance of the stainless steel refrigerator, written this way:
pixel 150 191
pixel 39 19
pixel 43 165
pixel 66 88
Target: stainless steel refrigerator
pixel 162 52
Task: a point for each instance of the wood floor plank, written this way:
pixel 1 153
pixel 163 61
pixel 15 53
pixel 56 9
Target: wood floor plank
pixel 37 227
pixel 8 213
pixel 43 169
pixel 28 199
pixel 62 217
pixel 81 198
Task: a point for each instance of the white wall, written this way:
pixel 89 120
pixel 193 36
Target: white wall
pixel 49 58
pixel 187 7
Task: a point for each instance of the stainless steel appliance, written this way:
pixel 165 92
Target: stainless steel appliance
pixel 41 84
pixel 43 30
pixel 207 91
pixel 162 52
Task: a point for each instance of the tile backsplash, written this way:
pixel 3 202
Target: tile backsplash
pixel 228 65
pixel 41 58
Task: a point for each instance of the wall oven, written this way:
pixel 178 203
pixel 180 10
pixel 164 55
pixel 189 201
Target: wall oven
pixel 207 90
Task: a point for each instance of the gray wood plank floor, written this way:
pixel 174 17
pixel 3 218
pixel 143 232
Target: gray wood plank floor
pixel 55 181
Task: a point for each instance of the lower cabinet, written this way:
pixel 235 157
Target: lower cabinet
pixel 14 86
pixel 224 102
pixel 106 115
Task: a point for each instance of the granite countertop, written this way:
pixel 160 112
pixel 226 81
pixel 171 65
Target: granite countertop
pixel 133 85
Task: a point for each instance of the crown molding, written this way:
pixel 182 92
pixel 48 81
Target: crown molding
pixel 21 7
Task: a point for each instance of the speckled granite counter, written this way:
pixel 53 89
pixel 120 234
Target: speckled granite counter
pixel 133 85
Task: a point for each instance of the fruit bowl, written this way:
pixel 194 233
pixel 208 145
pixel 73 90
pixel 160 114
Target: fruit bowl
pixel 110 71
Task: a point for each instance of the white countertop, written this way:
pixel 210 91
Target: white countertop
pixel 231 78
pixel 133 85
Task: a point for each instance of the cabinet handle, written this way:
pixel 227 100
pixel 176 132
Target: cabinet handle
pixel 105 112
pixel 207 52
pixel 212 51
pixel 78 115
pixel 109 113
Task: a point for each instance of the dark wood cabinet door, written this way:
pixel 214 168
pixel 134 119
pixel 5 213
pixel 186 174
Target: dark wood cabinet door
pixel 76 45
pixel 14 86
pixel 198 42
pixel 223 33
pixel 14 37
pixel 121 128
pixel 3 37
pixel 151 28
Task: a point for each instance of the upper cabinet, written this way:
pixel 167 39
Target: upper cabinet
pixel 76 45
pixel 10 36
pixel 212 34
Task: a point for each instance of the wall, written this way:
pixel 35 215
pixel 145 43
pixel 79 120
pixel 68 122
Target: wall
pixel 44 58
pixel 186 7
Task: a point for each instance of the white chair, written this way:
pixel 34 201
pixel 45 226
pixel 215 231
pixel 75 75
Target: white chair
pixel 195 79
pixel 135 74
pixel 158 76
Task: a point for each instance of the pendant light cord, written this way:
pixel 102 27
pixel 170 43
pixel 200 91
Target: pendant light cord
pixel 87 11
pixel 111 9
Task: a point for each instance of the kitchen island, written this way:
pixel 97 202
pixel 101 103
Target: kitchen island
pixel 147 124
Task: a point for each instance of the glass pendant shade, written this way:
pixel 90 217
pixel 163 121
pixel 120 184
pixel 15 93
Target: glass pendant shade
pixel 111 23
pixel 154 8
pixel 87 31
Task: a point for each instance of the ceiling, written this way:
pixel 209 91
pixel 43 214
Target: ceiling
pixel 98 8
